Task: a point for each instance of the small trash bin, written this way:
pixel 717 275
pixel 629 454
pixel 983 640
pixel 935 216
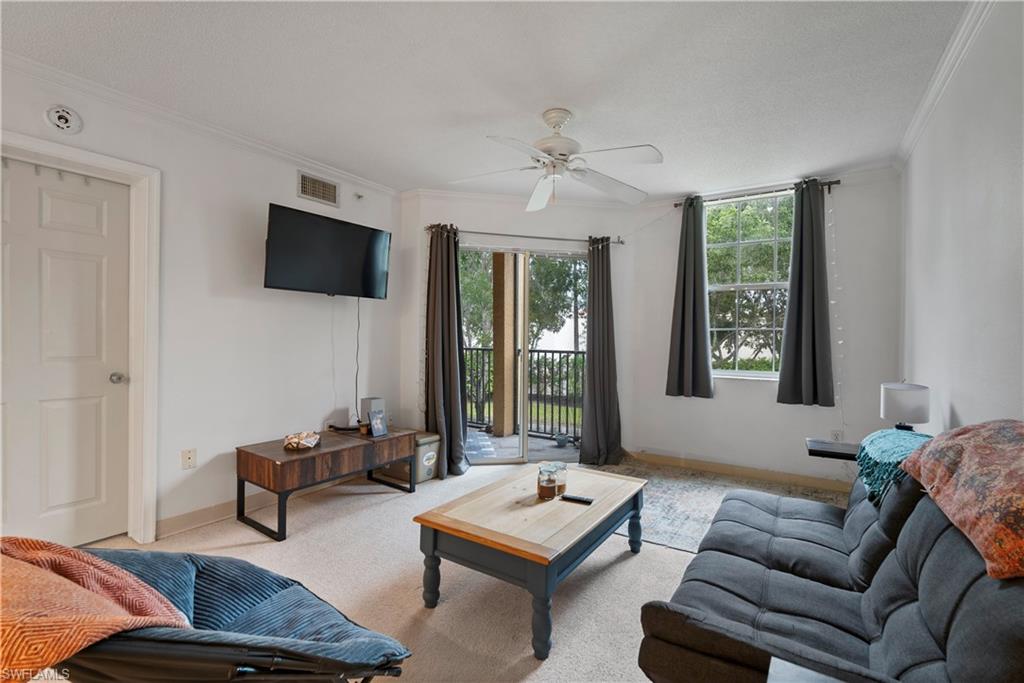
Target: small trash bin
pixel 426 460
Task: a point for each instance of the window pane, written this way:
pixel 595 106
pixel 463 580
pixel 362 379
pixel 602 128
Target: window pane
pixel 785 217
pixel 778 348
pixel 723 309
pixel 785 249
pixel 755 350
pixel 757 262
pixel 756 220
pixel 723 350
pixel 722 265
pixel 721 223
pixel 781 297
pixel 755 307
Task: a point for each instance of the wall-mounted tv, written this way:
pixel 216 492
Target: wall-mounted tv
pixel 312 253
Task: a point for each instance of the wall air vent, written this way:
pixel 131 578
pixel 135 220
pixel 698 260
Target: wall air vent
pixel 318 189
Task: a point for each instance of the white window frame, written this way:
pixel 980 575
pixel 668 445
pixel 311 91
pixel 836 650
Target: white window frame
pixel 745 286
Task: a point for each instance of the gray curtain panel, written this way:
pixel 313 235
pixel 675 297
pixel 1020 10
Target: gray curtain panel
pixel 689 354
pixel 446 363
pixel 805 371
pixel 602 430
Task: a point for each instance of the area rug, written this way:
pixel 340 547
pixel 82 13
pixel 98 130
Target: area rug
pixel 680 503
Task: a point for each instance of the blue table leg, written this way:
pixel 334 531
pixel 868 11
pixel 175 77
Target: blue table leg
pixel 541 627
pixel 431 567
pixel 635 535
pixel 541 581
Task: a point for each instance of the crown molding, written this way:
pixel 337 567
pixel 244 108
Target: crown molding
pixel 971 21
pixel 42 72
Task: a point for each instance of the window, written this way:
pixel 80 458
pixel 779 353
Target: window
pixel 748 244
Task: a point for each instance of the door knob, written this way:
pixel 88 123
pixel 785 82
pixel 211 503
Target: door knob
pixel 118 378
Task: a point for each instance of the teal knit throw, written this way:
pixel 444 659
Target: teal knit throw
pixel 880 456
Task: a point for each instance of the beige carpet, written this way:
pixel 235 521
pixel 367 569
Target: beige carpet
pixel 356 546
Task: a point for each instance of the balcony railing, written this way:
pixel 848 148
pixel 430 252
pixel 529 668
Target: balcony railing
pixel 554 388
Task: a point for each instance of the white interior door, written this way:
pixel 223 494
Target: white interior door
pixel 65 354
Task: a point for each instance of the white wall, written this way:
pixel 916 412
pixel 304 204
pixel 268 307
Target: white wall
pixel 962 187
pixel 238 363
pixel 742 425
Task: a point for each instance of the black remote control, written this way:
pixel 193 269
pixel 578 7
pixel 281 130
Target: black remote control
pixel 583 500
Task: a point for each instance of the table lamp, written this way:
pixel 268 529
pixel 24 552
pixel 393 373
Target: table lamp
pixel 907 404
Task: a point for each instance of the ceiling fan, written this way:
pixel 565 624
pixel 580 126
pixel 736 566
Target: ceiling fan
pixel 560 156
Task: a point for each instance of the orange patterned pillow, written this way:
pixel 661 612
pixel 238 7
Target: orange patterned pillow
pixel 975 474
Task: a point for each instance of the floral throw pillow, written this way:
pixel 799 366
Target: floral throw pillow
pixel 975 474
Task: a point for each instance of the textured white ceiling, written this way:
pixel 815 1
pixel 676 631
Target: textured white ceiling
pixel 734 94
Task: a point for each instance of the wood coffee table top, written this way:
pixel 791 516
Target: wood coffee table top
pixel 507 515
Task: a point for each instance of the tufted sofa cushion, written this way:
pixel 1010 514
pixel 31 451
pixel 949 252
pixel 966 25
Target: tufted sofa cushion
pixel 802 537
pixel 835 546
pixel 870 529
pixel 929 611
pixel 932 613
pixel 741 614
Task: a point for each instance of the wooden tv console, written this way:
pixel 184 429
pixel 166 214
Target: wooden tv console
pixel 278 470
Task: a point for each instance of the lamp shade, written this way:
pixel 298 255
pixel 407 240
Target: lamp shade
pixel 907 403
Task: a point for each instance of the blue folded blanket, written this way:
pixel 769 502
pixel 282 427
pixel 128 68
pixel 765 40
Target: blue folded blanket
pixel 880 456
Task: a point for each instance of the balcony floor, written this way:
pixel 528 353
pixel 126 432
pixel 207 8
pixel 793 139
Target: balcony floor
pixel 481 447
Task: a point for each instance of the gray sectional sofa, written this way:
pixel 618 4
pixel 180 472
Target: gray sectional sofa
pixel 868 593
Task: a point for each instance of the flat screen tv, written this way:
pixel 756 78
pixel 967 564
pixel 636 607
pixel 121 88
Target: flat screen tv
pixel 307 252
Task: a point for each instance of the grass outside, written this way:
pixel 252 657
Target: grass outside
pixel 557 415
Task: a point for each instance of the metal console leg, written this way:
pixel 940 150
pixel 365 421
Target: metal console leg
pixel 410 488
pixel 282 514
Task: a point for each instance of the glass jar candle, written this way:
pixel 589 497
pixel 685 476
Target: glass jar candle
pixel 547 481
pixel 561 476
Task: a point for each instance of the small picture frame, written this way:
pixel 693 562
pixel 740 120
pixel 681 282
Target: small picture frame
pixel 378 425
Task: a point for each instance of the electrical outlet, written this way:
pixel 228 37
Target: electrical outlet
pixel 188 459
pixel 837 435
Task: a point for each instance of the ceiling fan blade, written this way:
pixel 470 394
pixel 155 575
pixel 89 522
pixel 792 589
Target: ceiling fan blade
pixel 608 185
pixel 542 192
pixel 484 175
pixel 633 154
pixel 526 149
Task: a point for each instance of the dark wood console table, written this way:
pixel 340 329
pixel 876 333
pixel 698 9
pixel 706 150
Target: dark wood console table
pixel 278 470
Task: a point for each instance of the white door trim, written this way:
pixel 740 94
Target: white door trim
pixel 143 307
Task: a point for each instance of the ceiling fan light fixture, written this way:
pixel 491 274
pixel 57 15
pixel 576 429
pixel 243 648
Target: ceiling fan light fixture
pixel 559 155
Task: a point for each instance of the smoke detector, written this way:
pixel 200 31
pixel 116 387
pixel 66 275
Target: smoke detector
pixel 64 119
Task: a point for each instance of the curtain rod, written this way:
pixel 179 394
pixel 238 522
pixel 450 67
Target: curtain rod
pixel 618 239
pixel 827 184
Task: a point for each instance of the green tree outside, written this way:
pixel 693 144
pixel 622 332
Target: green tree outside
pixel 748 251
pixel 558 294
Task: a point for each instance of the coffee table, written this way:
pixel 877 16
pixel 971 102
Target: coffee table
pixel 504 530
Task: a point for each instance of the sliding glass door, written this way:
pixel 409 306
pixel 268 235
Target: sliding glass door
pixel 524 321
pixel 492 284
pixel 556 341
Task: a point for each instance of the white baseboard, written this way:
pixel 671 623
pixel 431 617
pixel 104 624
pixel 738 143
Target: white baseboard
pixel 226 510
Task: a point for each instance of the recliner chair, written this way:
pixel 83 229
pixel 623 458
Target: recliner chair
pixel 250 624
